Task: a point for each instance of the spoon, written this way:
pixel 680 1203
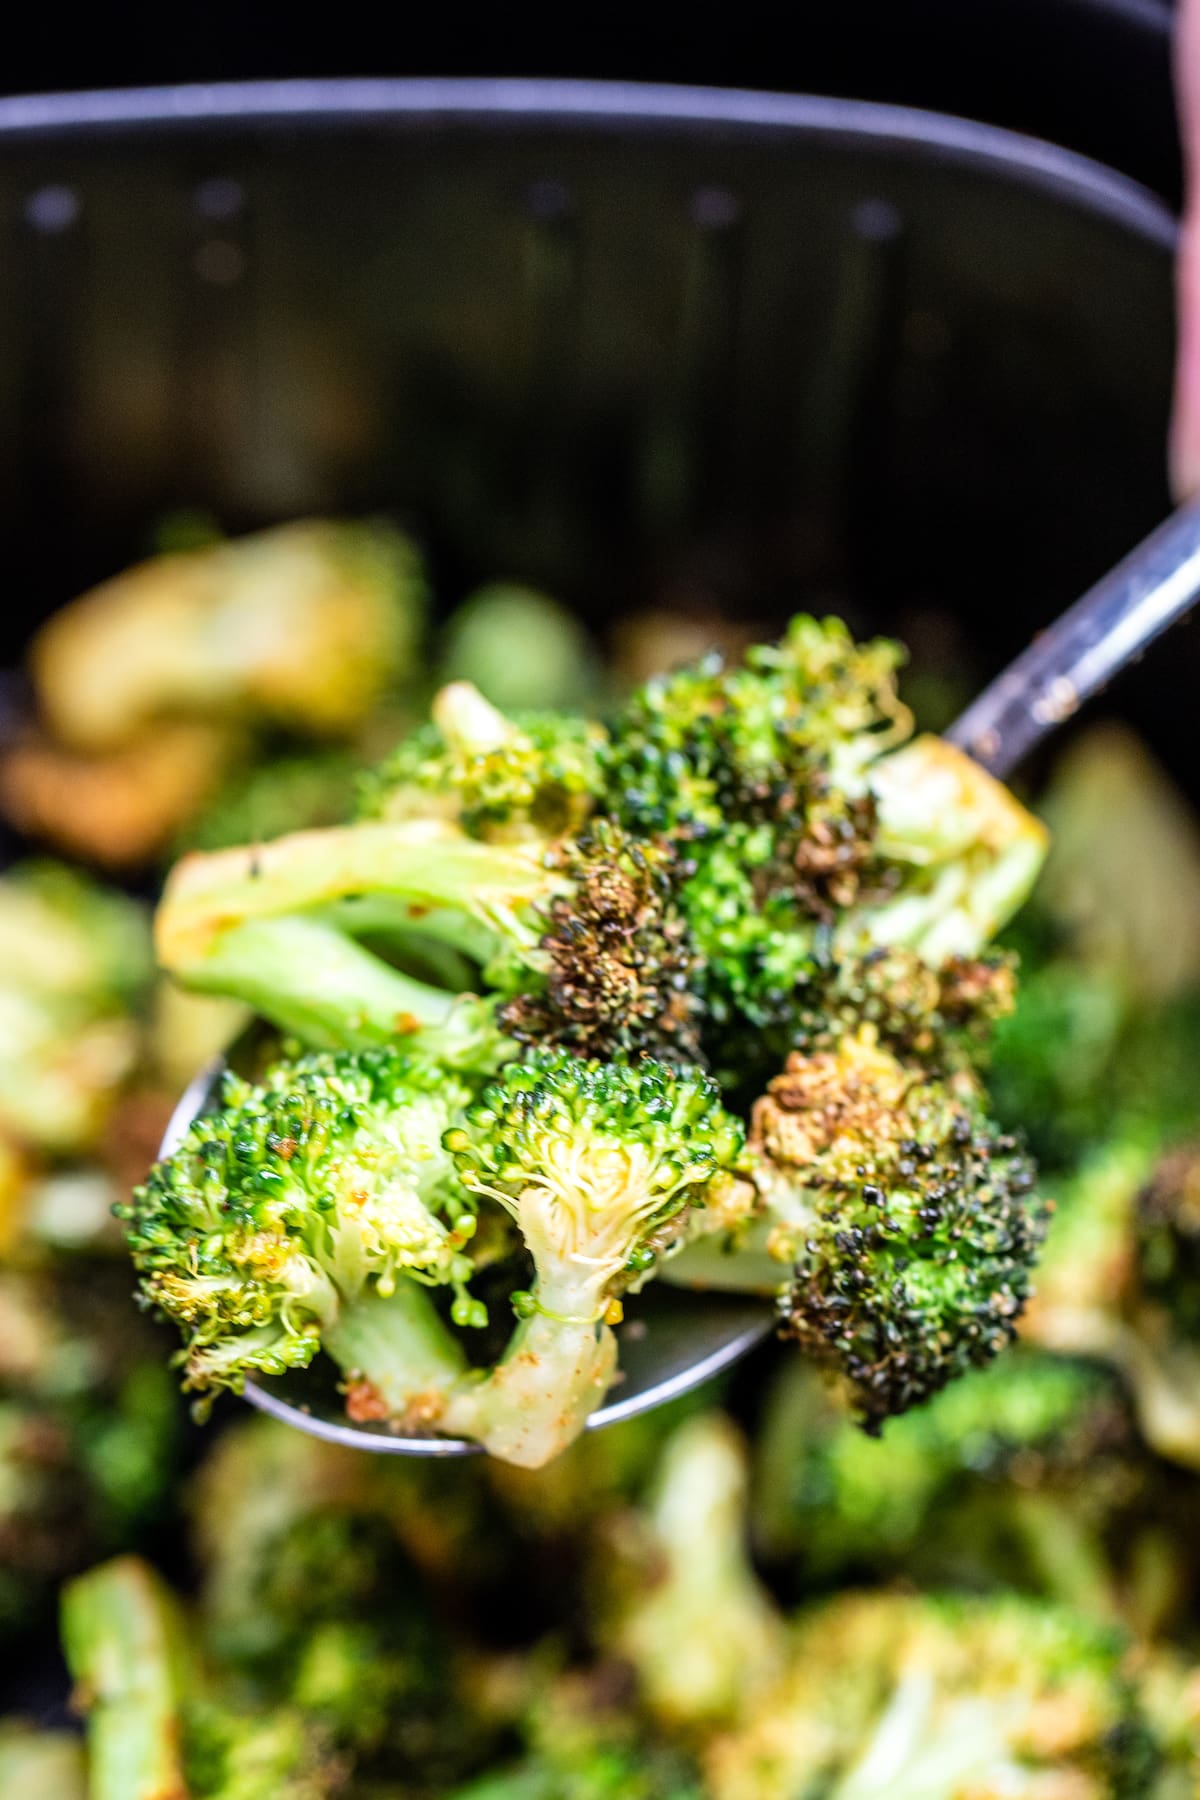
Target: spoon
pixel 678 1339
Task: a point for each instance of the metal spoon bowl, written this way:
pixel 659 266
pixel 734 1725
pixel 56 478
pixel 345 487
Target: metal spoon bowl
pixel 675 1340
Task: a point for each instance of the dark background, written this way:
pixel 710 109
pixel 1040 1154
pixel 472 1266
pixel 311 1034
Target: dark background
pixel 1092 74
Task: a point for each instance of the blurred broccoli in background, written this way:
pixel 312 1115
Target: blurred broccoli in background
pixel 520 648
pixel 168 696
pixel 74 962
pixel 1029 1474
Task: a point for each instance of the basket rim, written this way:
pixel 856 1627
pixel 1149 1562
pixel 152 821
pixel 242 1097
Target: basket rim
pixel 444 103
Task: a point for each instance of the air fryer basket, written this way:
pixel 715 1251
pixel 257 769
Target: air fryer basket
pixel 622 340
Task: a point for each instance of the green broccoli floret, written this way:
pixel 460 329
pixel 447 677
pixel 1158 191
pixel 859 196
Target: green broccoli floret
pixel 909 1222
pixel 920 1697
pixel 310 1211
pixel 536 776
pixel 287 1220
pixel 74 961
pixel 600 1166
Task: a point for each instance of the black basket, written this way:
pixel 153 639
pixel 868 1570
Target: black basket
pixel 613 338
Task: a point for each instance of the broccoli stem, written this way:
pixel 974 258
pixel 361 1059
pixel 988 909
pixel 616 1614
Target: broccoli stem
pixel 538 1397
pixel 124 1647
pixel 471 894
pixel 398 1345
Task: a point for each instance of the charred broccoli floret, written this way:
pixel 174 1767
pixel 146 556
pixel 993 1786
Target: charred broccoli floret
pixel 582 942
pixel 287 1220
pixel 910 1220
pixel 809 844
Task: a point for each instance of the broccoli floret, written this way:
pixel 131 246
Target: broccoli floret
pixel 599 1165
pixel 309 1211
pixel 583 942
pixel 522 649
pixel 74 961
pixel 615 971
pixel 536 776
pixel 678 1598
pixel 691 752
pixel 909 1222
pixel 157 1725
pixel 919 1697
pixel 288 1218
pixel 294 791
pixel 306 626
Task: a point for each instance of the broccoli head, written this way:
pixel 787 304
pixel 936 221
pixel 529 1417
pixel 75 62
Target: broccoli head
pixel 814 835
pixel 908 1223
pixel 535 776
pixel 281 1217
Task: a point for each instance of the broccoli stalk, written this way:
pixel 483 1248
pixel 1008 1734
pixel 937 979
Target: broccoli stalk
pixel 125 1650
pixel 584 941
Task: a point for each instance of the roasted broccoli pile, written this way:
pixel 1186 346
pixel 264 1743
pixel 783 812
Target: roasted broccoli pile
pixel 746 883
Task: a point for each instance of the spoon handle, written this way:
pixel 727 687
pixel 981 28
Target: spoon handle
pixel 1073 658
